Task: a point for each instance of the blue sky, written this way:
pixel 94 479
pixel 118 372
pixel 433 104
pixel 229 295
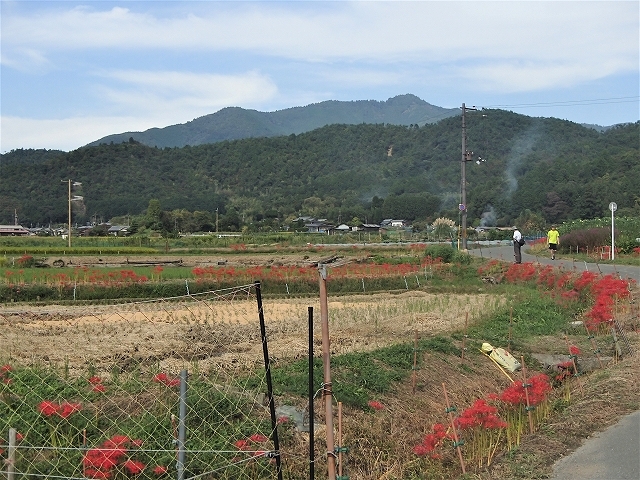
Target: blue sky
pixel 73 72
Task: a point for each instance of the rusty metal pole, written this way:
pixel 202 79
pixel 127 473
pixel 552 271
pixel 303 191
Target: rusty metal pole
pixel 326 361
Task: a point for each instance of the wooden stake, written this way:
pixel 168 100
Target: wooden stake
pixel 453 428
pixel 415 362
pixel 573 361
pixel 526 386
pixel 510 327
pixel 594 346
pixel 464 336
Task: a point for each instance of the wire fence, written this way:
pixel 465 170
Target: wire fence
pixel 169 388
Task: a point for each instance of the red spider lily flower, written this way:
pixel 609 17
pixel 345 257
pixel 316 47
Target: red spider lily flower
pixel 375 405
pixel 4 369
pixel 95 380
pixel 283 419
pixel 117 441
pixel 48 408
pixel 168 381
pixel 134 466
pixel 431 441
pixel 99 388
pixel 160 377
pixel 515 394
pixel 573 350
pixel 480 414
pixel 19 437
pixel 160 470
pixel 102 458
pixel 258 438
pixel 7 380
pixel 242 444
pixel 67 408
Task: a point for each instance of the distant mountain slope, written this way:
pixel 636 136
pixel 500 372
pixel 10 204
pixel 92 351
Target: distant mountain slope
pixel 548 166
pixel 235 123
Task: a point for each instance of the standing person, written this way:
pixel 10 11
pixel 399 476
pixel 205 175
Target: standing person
pixel 517 245
pixel 553 237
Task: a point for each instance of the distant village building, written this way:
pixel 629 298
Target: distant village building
pixel 118 230
pixel 13 231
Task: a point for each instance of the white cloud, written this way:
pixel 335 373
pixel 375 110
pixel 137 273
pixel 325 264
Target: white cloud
pixel 191 94
pixel 63 134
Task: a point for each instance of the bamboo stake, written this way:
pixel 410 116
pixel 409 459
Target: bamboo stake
pixel 526 386
pixel 453 428
pixel 510 328
pixel 415 362
pixel 464 336
pixel 327 392
pixel 573 362
pixel 596 350
pixel 340 439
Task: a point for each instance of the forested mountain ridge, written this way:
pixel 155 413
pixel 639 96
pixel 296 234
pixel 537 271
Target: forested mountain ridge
pixel 552 167
pixel 233 123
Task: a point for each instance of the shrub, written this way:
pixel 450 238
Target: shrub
pixel 583 239
pixel 444 252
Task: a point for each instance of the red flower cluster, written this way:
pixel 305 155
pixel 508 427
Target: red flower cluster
pixel 101 461
pixel 64 409
pixel 246 444
pixel 5 371
pixel 520 272
pixel 514 394
pixel 480 414
pixel 375 405
pixel 431 442
pixel 96 384
pixel 165 379
pixel 565 370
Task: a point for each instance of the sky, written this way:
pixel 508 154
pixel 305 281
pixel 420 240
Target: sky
pixel 73 72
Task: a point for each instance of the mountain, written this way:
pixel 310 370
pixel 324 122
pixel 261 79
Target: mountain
pixel 557 169
pixel 234 123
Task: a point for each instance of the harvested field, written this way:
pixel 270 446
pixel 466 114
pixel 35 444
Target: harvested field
pixel 221 331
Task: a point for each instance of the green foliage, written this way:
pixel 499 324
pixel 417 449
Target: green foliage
pixel 444 252
pixel 571 171
pixel 530 314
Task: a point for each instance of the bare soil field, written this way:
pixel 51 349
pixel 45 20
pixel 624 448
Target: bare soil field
pixel 223 330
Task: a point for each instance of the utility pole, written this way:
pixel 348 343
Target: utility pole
pixel 71 199
pixel 466 157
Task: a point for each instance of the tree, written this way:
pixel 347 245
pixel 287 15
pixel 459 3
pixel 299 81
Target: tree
pixel 152 217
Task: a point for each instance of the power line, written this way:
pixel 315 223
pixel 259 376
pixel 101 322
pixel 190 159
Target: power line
pixel 570 103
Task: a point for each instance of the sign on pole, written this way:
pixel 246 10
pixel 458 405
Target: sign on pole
pixel 613 207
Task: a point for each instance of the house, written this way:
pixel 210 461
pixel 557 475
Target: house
pixel 398 223
pixel 118 230
pixel 13 231
pixel 368 227
pixel 320 226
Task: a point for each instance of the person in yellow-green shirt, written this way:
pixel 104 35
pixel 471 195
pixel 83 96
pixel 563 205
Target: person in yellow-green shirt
pixel 553 237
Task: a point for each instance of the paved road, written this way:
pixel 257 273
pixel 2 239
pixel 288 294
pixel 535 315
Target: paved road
pixel 505 252
pixel 610 455
pixel 613 454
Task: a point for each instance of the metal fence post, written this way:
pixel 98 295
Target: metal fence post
pixel 182 420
